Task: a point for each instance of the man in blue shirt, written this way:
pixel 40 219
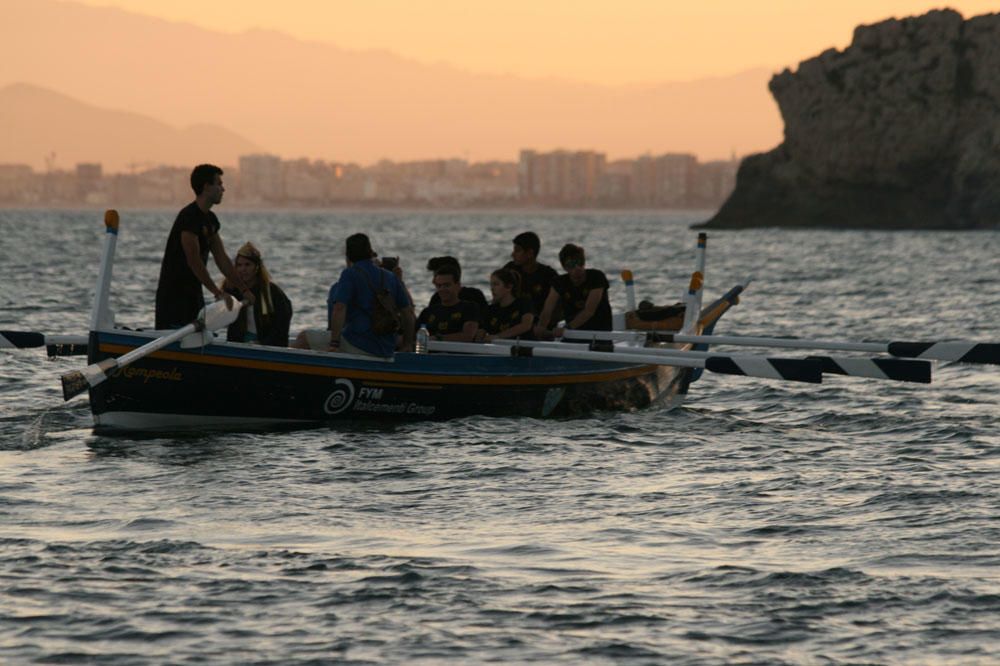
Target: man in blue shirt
pixel 354 297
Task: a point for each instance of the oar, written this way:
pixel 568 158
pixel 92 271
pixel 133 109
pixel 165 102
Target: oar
pixel 57 345
pixel 21 339
pixel 212 317
pixel 956 351
pixel 894 369
pixel 901 370
pixel 792 369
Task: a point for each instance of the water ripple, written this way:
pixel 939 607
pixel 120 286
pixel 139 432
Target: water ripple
pixel 760 523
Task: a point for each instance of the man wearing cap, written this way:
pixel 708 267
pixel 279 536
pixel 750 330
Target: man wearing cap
pixel 536 278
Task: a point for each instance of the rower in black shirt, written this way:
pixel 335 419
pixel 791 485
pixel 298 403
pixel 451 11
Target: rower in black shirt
pixel 183 272
pixel 470 294
pixel 507 316
pixel 536 278
pixel 582 292
pixel 450 319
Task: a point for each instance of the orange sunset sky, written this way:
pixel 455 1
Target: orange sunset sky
pixel 135 82
pixel 598 41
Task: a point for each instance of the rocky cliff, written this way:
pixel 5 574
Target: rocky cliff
pixel 899 130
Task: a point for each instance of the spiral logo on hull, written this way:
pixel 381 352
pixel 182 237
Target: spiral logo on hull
pixel 341 397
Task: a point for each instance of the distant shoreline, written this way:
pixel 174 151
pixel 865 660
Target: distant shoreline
pixel 223 208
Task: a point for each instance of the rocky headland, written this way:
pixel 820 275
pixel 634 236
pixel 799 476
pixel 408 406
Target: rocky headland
pixel 899 130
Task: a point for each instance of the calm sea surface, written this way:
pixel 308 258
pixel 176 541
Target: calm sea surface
pixel 762 522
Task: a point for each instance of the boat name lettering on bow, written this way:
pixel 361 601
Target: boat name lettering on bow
pixel 147 374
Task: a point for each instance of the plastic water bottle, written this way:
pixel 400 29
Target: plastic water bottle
pixel 422 337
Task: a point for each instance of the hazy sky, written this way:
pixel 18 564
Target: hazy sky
pixel 599 41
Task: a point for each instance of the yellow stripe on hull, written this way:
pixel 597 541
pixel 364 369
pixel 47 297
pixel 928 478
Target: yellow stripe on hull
pixel 396 377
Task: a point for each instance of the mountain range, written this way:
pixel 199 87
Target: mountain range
pixel 39 124
pixel 306 99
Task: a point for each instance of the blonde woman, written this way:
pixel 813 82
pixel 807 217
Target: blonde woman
pixel 266 322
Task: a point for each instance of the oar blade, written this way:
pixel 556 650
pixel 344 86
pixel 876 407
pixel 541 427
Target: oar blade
pixel 956 352
pixel 76 382
pixel 789 369
pixel 894 369
pixel 21 339
pixel 73 384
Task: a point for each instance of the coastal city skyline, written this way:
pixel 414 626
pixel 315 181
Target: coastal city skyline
pixel 561 178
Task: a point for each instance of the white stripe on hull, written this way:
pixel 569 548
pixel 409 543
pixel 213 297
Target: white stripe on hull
pixel 147 421
pixel 153 422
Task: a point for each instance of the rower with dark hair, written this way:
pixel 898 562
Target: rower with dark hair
pixel 450 318
pixel 582 292
pixel 354 301
pixel 349 327
pixel 536 278
pixel 508 316
pixel 470 294
pixel 266 322
pixel 194 234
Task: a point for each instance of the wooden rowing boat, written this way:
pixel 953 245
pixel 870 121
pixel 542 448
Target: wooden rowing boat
pixel 233 385
pixel 190 380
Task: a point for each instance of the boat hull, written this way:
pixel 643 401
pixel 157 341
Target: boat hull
pixel 244 387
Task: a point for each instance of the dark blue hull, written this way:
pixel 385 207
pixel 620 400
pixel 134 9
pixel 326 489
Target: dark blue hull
pixel 233 386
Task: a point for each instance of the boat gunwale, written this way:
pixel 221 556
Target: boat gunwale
pixel 448 370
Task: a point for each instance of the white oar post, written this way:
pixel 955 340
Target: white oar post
pixel 629 289
pixel 101 317
pixel 692 299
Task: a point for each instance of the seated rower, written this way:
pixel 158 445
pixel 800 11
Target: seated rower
pixel 354 303
pixel 266 322
pixel 451 318
pixel 470 294
pixel 351 305
pixel 536 278
pixel 583 294
pixel 507 316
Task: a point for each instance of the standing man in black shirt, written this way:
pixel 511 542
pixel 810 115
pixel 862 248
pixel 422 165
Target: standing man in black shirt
pixel 536 278
pixel 582 292
pixel 183 272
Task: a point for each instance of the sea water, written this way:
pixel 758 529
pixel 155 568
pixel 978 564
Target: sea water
pixel 762 522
